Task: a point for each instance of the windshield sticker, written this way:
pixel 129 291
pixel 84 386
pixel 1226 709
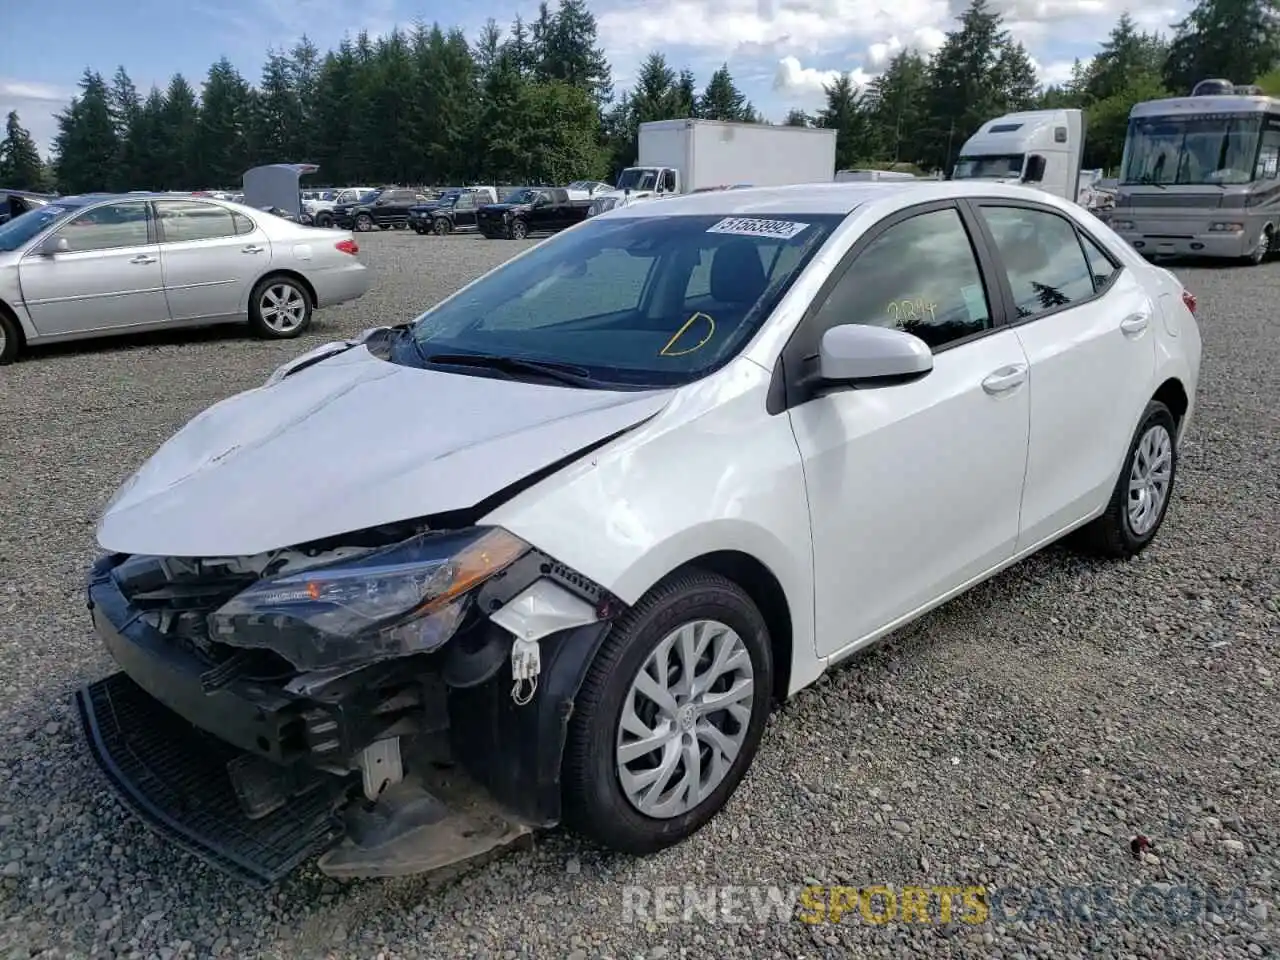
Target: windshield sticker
pixel 975 301
pixel 711 332
pixel 748 227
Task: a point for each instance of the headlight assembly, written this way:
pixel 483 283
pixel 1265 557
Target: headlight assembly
pixel 404 599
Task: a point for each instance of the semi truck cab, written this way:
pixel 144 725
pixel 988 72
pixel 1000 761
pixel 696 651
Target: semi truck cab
pixel 1040 148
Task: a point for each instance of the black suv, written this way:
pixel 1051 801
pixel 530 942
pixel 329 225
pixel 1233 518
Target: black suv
pixel 386 208
pixel 454 211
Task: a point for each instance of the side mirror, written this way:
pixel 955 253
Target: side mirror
pixel 1034 172
pixel 854 353
pixel 54 245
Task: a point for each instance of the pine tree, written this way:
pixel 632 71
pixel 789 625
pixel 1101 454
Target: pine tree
pixel 20 165
pixel 224 126
pixel 86 145
pixel 722 100
pixel 1238 40
pixel 845 114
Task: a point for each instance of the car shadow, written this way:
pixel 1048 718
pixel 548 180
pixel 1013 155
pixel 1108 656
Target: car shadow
pixel 121 342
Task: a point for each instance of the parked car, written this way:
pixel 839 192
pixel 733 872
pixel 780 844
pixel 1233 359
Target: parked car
pixel 680 460
pixel 14 203
pixel 452 213
pixel 95 265
pixel 532 210
pixel 385 209
pixel 321 210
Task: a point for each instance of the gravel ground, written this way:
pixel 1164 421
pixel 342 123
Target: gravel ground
pixel 1017 739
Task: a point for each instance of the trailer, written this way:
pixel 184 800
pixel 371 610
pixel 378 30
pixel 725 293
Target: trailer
pixel 687 156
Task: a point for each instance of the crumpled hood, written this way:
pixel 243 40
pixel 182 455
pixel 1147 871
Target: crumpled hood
pixel 350 443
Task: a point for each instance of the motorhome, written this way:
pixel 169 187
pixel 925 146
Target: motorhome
pixel 687 156
pixel 1200 174
pixel 1041 148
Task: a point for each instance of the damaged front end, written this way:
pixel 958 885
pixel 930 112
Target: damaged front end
pixel 396 700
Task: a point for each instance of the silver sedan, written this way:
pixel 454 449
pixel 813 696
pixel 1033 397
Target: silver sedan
pixel 100 264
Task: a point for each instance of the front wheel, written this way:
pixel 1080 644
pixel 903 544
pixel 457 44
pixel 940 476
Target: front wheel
pixel 10 339
pixel 519 230
pixel 324 220
pixel 1263 248
pixel 364 223
pixel 442 227
pixel 1141 496
pixel 670 715
pixel 279 308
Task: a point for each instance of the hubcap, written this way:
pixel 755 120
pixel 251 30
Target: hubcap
pixel 283 308
pixel 1149 479
pixel 4 341
pixel 685 719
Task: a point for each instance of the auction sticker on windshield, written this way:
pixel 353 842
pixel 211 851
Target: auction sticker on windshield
pixel 748 227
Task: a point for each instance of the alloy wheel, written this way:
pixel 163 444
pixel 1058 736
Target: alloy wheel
pixel 283 307
pixel 684 719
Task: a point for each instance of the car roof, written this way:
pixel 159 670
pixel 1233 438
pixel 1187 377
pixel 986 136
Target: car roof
pixel 828 198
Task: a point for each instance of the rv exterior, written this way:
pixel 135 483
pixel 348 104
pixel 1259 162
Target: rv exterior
pixel 1040 148
pixel 1199 175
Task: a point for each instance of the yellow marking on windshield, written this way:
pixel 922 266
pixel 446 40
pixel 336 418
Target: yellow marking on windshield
pixel 711 332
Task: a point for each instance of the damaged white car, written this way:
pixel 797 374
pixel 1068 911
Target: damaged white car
pixel 563 540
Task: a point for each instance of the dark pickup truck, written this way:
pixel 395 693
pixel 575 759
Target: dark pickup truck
pixel 456 210
pixel 532 210
pixel 387 208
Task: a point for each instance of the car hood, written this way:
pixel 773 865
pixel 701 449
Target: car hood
pixel 349 443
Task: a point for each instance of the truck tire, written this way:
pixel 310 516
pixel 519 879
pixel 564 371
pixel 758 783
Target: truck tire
pixel 324 220
pixel 441 226
pixel 1265 243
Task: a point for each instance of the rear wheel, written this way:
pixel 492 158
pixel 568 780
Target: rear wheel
pixel 1142 492
pixel 10 338
pixel 670 715
pixel 279 308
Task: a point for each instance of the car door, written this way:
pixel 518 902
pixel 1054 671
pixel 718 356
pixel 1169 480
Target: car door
pixel 211 256
pixel 464 210
pixel 542 214
pixel 1086 326
pixel 914 488
pixel 108 277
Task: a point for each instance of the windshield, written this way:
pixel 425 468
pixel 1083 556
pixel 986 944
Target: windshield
pixel 637 178
pixel 1208 149
pixel 25 226
pixel 522 196
pixel 640 302
pixel 988 168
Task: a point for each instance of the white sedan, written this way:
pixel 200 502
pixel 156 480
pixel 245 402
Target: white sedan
pixel 590 516
pixel 102 264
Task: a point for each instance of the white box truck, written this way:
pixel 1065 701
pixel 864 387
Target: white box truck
pixel 686 156
pixel 1041 148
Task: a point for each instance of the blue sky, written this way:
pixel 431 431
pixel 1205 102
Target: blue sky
pixel 780 51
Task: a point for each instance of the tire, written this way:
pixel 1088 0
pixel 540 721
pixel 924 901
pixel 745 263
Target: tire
pixel 1117 534
pixel 1263 249
pixel 595 803
pixel 519 230
pixel 364 223
pixel 10 338
pixel 287 293
pixel 399 226
pixel 441 227
pixel 324 220
pixel 419 231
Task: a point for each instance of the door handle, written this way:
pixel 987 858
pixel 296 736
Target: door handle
pixel 1135 323
pixel 1005 379
pixel 252 248
pixel 143 258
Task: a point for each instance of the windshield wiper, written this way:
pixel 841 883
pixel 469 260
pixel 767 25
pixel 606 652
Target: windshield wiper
pixel 566 373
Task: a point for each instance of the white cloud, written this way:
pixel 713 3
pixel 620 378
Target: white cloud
pixel 796 80
pixel 1055 73
pixel 37 105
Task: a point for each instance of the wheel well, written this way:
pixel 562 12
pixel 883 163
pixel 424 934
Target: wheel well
pixel 297 277
pixel 767 594
pixel 12 314
pixel 1174 396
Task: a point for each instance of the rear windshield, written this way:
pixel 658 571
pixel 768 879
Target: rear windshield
pixel 644 301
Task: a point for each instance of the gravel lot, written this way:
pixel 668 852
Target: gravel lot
pixel 1018 738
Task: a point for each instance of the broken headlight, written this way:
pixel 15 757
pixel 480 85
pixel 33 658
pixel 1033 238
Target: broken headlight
pixel 403 599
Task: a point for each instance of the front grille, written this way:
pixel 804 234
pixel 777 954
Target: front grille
pixel 1188 200
pixel 175 777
